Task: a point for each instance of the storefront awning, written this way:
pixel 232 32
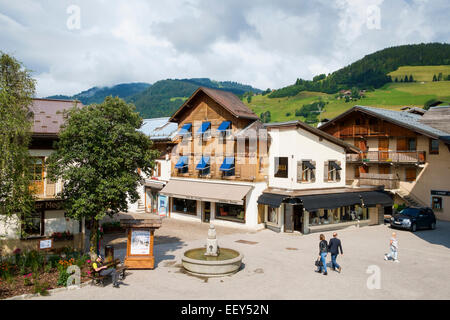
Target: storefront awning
pixel 153 184
pixel 372 198
pixel 329 201
pixel 206 191
pixel 271 199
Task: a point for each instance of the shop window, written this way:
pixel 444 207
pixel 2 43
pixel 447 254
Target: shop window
pixel 281 167
pixel 186 206
pixel 272 215
pixel 436 203
pixel 434 146
pixel 230 212
pixel 33 226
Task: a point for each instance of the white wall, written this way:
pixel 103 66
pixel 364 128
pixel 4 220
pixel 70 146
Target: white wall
pixel 298 144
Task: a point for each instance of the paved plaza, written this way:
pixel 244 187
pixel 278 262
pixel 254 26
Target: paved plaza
pixel 281 266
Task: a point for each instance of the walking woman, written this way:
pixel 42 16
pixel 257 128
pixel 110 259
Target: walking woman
pixel 323 250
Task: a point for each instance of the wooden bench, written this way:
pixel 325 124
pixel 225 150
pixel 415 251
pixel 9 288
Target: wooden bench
pixel 99 279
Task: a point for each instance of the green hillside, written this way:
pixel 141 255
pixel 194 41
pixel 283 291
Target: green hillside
pixel 420 73
pixel 390 96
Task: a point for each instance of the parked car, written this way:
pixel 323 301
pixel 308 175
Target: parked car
pixel 412 218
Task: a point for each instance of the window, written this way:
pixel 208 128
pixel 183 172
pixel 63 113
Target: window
pixel 272 215
pixel 227 167
pixel 434 146
pixel 204 167
pixel 37 168
pixel 306 171
pixel 224 130
pixel 333 171
pixel 33 226
pixel 182 165
pixel 281 167
pixel 186 206
pixel 436 203
pixel 411 144
pixel 205 129
pixel 156 172
pixel 231 212
pixel 186 130
pixel 410 174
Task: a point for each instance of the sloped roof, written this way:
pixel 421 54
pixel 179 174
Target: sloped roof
pixel 402 118
pixel 438 118
pixel 159 128
pixel 48 115
pixel 297 123
pixel 226 99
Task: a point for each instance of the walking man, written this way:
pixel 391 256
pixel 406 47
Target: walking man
pixel 393 246
pixel 334 246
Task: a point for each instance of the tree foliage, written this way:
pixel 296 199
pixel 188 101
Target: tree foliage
pixel 97 156
pixel 16 91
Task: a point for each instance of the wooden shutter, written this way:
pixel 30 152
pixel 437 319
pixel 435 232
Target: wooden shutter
pixel 402 144
pixel 158 169
pixel 338 172
pixel 313 172
pixel 410 174
pixel 299 171
pixel 325 171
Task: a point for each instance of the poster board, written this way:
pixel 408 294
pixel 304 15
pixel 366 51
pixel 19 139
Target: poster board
pixel 140 242
pixel 45 244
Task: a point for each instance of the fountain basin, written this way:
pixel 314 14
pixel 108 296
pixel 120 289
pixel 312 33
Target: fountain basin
pixel 227 262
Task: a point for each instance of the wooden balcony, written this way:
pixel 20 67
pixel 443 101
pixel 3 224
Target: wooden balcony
pixel 362 130
pixel 45 189
pixel 388 157
pixel 389 181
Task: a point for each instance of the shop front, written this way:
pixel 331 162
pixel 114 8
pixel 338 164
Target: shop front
pixel 207 201
pixel 311 211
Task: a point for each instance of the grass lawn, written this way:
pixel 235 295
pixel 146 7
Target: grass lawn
pixel 392 96
pixel 420 73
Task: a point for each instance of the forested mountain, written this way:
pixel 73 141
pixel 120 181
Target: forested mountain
pixel 98 94
pixel 164 97
pixel 371 72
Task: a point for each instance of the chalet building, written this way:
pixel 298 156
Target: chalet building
pixel 48 218
pixel 162 133
pixel 306 183
pixel 219 163
pixel 408 152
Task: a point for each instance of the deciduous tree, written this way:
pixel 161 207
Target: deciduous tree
pixel 98 156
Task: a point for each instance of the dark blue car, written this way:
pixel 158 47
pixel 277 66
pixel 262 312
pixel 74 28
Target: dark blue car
pixel 414 218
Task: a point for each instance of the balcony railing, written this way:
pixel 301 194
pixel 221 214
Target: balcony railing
pixel 362 130
pixel 389 181
pixel 45 189
pixel 389 156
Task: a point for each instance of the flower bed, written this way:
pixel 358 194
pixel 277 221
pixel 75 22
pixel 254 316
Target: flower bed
pixel 62 236
pixel 36 272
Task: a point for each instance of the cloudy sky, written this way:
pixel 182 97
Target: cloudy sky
pixel 72 45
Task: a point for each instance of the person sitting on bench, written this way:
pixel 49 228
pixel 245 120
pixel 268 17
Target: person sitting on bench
pixel 105 271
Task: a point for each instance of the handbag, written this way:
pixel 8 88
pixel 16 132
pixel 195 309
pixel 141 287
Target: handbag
pixel 318 262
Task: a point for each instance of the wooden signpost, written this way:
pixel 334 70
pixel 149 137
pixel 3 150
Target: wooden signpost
pixel 140 239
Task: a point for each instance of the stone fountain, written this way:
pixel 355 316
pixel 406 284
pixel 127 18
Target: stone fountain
pixel 211 260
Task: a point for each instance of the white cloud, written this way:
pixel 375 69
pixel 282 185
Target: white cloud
pixel 261 42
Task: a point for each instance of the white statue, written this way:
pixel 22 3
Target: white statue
pixel 212 246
